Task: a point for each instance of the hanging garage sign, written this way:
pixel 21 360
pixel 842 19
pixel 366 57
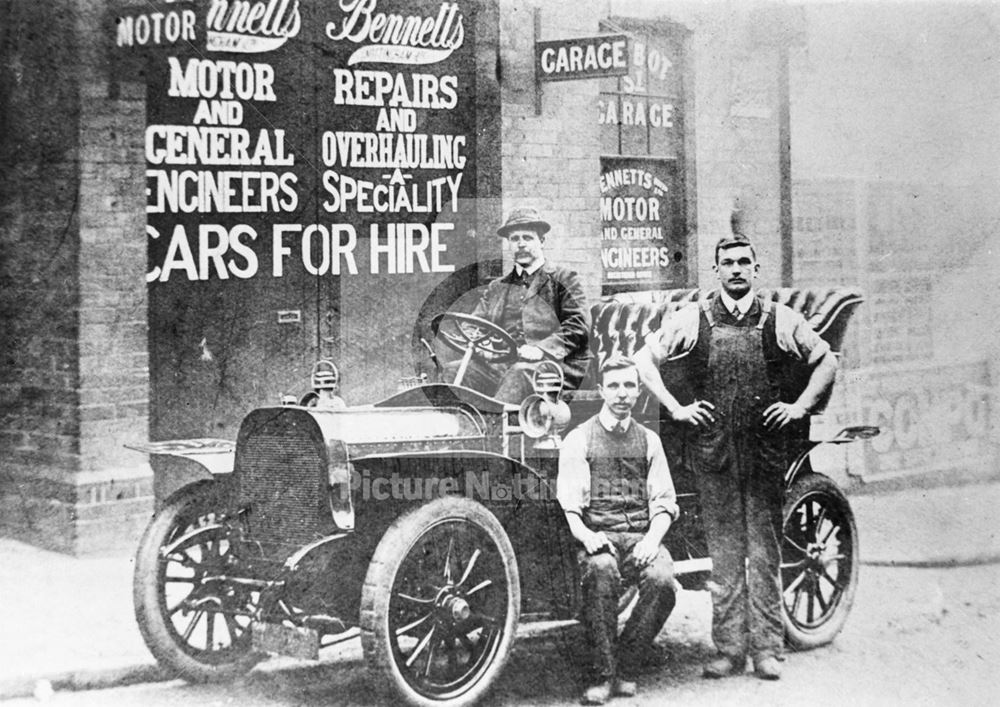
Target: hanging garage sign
pixel 582 58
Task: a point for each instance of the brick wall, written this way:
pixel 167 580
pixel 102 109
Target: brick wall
pixel 74 380
pixel 38 293
pixel 115 486
pixel 72 293
pixel 552 160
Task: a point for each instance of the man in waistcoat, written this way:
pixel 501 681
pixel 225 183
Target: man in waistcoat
pixel 755 369
pixel 542 307
pixel 615 489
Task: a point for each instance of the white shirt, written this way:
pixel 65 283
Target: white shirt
pixel 743 303
pixel 535 266
pixel 678 333
pixel 610 422
pixel 573 482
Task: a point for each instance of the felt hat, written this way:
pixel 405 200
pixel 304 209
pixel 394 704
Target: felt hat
pixel 524 217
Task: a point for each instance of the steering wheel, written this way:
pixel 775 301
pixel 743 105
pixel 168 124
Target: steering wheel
pixel 466 333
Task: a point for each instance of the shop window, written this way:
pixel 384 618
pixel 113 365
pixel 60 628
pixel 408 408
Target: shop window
pixel 643 169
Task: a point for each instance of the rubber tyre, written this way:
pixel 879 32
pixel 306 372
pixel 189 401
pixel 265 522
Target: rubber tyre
pixel 816 511
pixel 187 509
pixel 406 553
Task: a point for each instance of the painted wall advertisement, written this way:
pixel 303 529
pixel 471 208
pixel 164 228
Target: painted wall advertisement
pixel 246 134
pixel 291 145
pixel 932 419
pixel 642 241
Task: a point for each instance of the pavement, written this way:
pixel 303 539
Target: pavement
pixel 66 623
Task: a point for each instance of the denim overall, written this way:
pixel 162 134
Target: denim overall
pixel 739 466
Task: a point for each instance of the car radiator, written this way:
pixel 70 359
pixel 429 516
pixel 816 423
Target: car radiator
pixel 281 482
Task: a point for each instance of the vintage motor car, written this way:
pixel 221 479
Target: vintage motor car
pixel 428 522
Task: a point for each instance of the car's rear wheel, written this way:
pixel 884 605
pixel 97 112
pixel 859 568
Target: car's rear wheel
pixel 440 604
pixel 194 625
pixel 819 561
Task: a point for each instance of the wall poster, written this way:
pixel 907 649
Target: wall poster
pixel 643 240
pixel 310 176
pixel 929 423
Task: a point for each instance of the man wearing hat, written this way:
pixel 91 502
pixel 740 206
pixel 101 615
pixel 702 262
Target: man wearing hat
pixel 541 306
pixel 755 369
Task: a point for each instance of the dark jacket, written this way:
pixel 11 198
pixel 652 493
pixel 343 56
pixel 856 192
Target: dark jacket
pixel 555 317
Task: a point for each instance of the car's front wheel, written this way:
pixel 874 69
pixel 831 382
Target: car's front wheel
pixel 193 620
pixel 819 561
pixel 440 604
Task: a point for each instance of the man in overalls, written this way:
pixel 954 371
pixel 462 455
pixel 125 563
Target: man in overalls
pixel 754 369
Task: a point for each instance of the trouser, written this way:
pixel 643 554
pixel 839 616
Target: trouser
pixel 742 491
pixel 603 576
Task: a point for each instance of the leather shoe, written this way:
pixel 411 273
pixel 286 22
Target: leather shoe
pixel 597 694
pixel 767 668
pixel 722 667
pixel 625 688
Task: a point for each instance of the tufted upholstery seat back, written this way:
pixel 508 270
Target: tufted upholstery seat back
pixel 620 323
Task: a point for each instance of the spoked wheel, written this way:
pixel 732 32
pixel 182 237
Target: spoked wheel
pixel 819 561
pixel 440 604
pixel 193 624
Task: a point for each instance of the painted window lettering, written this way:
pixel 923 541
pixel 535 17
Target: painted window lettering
pixel 221 252
pixel 630 208
pixel 155 28
pixel 345 193
pixel 397 38
pixel 204 78
pixel 251 27
pixel 635 112
pixel 224 192
pixel 210 145
pixel 361 87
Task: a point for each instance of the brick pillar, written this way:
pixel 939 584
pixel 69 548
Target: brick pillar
pixel 74 375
